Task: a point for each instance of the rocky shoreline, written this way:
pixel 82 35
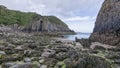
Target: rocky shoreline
pixel 29 50
pixel 40 44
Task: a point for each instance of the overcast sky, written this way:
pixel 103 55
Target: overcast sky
pixel 79 15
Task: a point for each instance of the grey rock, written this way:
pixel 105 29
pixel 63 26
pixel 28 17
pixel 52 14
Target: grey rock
pixel 61 56
pixel 8 64
pixel 69 63
pixel 48 53
pixel 27 60
pixel 88 61
pixel 18 48
pixel 43 66
pixel 41 61
pixel 2 48
pixel 117 61
pixel 24 65
pixel 107 25
pixel 2 52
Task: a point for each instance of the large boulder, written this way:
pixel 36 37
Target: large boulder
pixel 107 25
pixel 89 61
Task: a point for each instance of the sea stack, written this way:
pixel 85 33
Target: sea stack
pixel 107 25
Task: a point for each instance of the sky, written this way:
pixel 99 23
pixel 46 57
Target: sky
pixel 79 15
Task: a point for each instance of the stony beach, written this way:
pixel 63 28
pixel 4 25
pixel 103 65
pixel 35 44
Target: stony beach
pixel 26 50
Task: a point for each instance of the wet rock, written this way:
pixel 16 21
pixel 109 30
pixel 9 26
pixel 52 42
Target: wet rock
pixel 48 53
pixel 50 62
pixel 24 65
pixel 100 46
pixel 8 64
pixel 37 64
pixel 2 53
pixel 74 55
pixel 2 48
pixel 29 52
pixel 32 46
pixel 35 58
pixel 61 56
pixel 84 42
pixel 117 61
pixel 113 55
pixel 60 65
pixel 78 46
pixel 43 66
pixel 60 48
pixel 69 63
pixel 19 48
pixel 11 45
pixel 88 61
pixel 27 60
pixel 41 61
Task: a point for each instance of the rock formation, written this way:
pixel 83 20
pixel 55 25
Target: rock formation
pixel 31 22
pixel 47 24
pixel 107 25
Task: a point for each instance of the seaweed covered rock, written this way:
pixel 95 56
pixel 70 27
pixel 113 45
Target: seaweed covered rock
pixel 89 61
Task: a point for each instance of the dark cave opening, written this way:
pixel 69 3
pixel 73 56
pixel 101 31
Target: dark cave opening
pixel 41 26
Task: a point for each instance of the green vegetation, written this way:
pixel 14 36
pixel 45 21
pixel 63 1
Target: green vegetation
pixel 62 64
pixel 8 17
pixel 1 41
pixel 54 20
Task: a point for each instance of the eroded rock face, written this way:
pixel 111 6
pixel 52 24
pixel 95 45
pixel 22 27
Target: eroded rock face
pixel 47 24
pixel 107 25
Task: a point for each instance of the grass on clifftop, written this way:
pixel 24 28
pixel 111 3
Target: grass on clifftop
pixel 55 20
pixel 8 17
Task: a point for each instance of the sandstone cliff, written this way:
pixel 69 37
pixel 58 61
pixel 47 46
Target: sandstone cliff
pixel 107 25
pixel 31 22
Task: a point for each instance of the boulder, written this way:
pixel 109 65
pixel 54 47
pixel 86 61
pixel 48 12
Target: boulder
pixel 24 65
pixel 27 60
pixel 100 46
pixel 8 64
pixel 89 61
pixel 43 66
pixel 48 53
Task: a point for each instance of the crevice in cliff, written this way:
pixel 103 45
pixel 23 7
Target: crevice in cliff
pixel 41 26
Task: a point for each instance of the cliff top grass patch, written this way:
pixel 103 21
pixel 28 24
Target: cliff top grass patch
pixel 9 17
pixel 55 20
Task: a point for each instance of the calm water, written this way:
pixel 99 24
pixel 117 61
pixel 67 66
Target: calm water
pixel 78 35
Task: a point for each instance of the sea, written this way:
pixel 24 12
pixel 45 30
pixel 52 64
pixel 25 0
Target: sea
pixel 79 35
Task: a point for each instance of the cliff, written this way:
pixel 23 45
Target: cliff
pixel 107 25
pixel 47 24
pixel 31 22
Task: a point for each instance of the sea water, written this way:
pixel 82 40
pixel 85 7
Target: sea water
pixel 79 35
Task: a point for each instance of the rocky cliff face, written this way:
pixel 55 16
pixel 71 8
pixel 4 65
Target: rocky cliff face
pixel 31 22
pixel 47 24
pixel 107 25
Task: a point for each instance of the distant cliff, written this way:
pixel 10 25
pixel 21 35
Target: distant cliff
pixel 107 25
pixel 31 22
